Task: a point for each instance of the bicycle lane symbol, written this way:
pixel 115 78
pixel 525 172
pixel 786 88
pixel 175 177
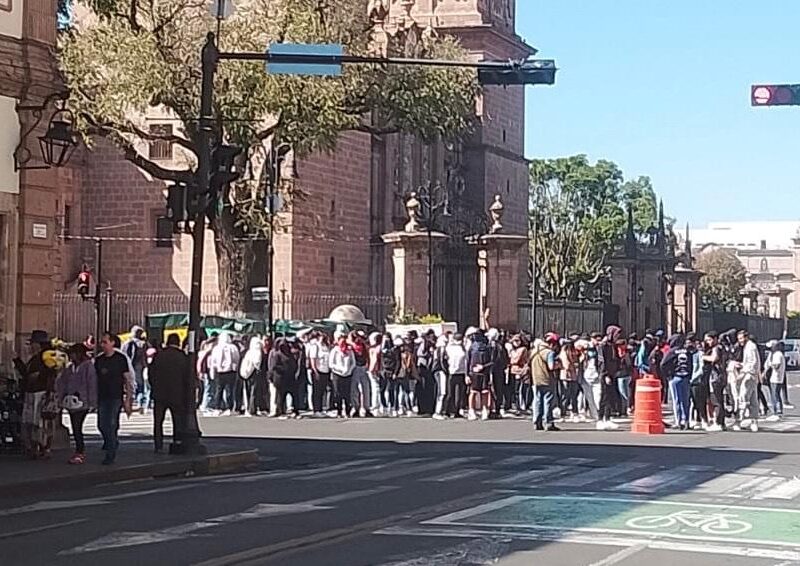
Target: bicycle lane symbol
pixel 717 524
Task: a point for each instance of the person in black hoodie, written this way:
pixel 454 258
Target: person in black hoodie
pixel 609 363
pixel 172 388
pixel 282 368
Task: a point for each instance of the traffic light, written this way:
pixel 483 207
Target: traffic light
pixel 84 278
pixel 223 173
pixel 529 72
pixel 775 95
pixel 177 205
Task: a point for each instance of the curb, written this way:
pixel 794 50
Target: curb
pixel 211 464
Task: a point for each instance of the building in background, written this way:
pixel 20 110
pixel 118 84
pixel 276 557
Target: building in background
pixel 353 195
pixel 35 200
pixel 769 251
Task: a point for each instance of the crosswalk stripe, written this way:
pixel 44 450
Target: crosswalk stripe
pixel 405 471
pixel 530 475
pixel 782 426
pixel 785 490
pixel 660 480
pixel 598 474
pixel 456 475
pixel 357 468
pixel 577 461
pixel 754 486
pixel 523 459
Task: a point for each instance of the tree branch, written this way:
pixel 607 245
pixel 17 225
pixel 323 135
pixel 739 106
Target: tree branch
pixel 150 136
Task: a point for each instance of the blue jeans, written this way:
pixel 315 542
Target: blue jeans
pixel 775 397
pixel 624 388
pixel 108 423
pixel 142 389
pixel 209 394
pixel 679 386
pixel 543 398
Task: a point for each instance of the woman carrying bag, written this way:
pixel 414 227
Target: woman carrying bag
pixel 76 391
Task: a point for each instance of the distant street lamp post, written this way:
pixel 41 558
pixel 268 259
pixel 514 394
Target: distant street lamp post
pixel 434 204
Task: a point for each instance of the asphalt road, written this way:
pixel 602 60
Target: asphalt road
pixel 420 492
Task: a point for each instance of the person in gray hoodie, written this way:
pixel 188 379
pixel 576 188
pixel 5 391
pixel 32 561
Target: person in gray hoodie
pixel 76 392
pixel 135 348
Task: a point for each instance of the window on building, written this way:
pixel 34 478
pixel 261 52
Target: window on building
pixel 504 135
pixel 163 231
pixel 333 265
pixel 67 227
pixel 161 150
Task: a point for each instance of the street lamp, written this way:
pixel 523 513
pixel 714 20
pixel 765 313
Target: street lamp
pixel 58 143
pixel 434 203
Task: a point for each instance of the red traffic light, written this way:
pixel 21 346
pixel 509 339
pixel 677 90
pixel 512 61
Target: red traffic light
pixel 775 95
pixel 84 278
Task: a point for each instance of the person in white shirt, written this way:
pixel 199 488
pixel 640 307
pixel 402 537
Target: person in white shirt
pixel 318 353
pixel 342 362
pixel 749 372
pixel 776 374
pixel 457 368
pixel 224 362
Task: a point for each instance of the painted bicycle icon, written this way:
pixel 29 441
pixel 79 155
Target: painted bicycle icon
pixel 713 524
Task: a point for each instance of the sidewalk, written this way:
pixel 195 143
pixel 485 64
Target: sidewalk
pixel 135 460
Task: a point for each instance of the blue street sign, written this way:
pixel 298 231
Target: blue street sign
pixel 305 59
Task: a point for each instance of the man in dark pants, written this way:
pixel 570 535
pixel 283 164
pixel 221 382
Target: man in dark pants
pixel 172 388
pixel 115 390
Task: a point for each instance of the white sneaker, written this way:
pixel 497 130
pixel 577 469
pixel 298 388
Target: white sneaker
pixel 788 406
pixel 472 416
pixel 754 427
pixel 697 426
pixel 601 425
pixel 438 417
pixel 773 418
pixel 736 427
pixel 393 413
pixel 714 428
pixel 557 413
pixel 485 414
pixel 611 425
pixel 575 419
pixel 503 413
pixel 227 413
pixel 582 418
pixel 415 410
pixel 746 422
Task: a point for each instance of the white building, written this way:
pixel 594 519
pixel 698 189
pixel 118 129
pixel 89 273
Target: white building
pixel 769 251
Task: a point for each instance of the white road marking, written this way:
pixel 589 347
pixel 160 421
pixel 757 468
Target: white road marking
pixel 530 475
pixel 660 480
pixel 359 468
pixel 750 489
pixel 599 539
pixel 408 470
pixel 298 473
pixel 179 532
pixel 598 474
pixel 618 557
pixel 456 475
pixel 49 527
pixel 577 461
pixel 787 489
pixel 76 503
pixel 523 459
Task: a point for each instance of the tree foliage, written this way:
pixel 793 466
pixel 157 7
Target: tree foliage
pixel 723 278
pixel 578 213
pixel 125 58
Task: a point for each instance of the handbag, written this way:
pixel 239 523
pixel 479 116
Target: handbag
pixel 50 409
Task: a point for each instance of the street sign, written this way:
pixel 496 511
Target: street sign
pixel 222 9
pixel 775 95
pixel 324 60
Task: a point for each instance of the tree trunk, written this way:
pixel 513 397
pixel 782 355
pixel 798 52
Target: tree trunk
pixel 235 260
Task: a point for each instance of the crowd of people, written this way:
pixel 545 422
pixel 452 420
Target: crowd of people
pixel 709 382
pixel 489 375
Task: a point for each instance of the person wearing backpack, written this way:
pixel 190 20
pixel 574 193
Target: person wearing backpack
pixel 248 375
pixel 678 367
pixel 479 368
pixel 544 363
pixel 136 350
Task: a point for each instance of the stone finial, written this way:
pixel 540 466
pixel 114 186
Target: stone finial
pixel 412 209
pixel 496 211
pixel 378 12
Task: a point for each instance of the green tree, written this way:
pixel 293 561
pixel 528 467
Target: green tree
pixel 124 58
pixel 723 278
pixel 579 211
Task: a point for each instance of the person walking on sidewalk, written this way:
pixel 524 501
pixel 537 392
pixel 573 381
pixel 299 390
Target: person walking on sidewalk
pixel 747 387
pixel 172 388
pixel 136 350
pixel 76 391
pixel 115 391
pixel 775 376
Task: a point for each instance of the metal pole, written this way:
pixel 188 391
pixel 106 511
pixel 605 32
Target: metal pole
pixel 209 55
pixel 430 265
pixel 98 273
pixel 534 264
pixel 283 303
pixel 270 244
pixel 109 293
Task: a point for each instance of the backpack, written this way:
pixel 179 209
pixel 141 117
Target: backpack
pixel 682 363
pixel 480 354
pixel 136 354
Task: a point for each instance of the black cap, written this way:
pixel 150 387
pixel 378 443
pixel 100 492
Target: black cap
pixel 39 337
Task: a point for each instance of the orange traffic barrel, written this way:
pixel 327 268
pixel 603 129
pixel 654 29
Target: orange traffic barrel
pixel 647 418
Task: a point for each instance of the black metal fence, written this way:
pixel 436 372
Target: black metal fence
pixel 563 317
pixel 760 327
pixel 75 318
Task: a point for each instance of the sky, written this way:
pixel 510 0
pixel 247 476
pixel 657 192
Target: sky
pixel 662 88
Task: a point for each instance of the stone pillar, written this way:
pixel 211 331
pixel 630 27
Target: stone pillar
pixel 498 268
pixel 410 263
